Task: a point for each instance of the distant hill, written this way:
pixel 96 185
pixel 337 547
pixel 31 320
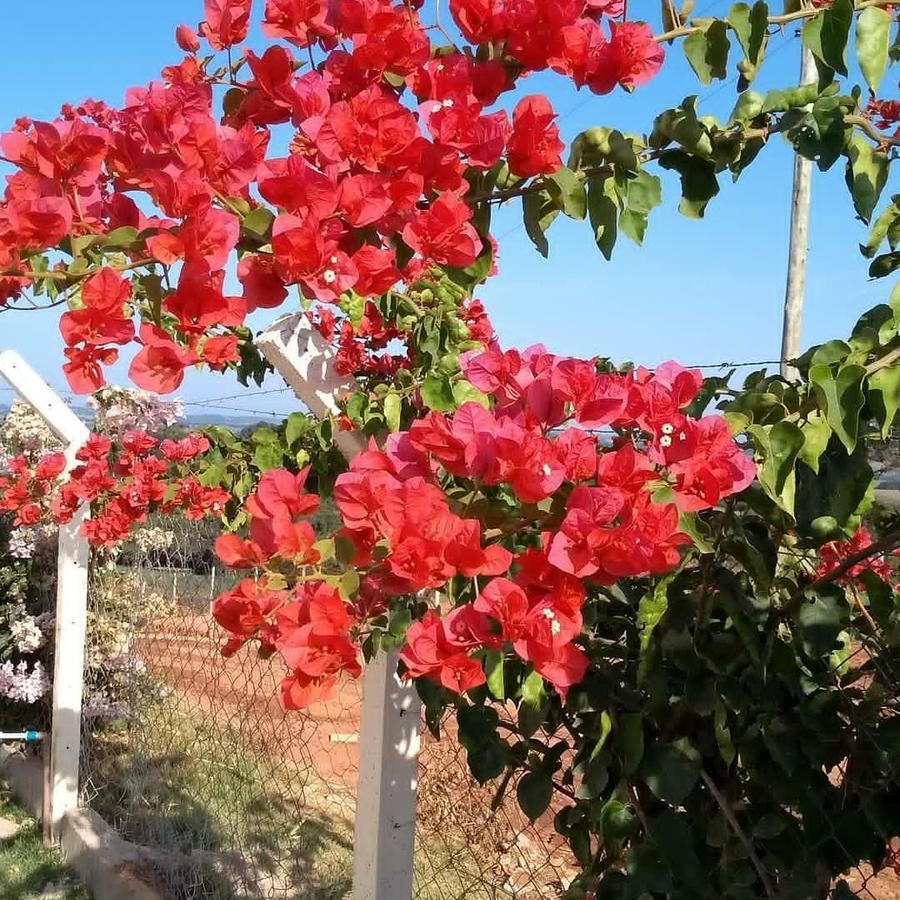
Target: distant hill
pixel 236 420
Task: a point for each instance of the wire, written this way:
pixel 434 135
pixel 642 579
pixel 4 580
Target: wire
pixel 243 396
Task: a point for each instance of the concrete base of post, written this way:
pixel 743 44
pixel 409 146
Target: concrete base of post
pixel 109 865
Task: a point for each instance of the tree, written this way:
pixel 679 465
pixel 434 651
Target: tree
pixel 675 615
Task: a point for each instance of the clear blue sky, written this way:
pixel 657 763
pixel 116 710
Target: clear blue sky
pixel 698 291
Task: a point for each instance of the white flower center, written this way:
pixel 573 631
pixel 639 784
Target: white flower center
pixel 334 260
pixel 665 441
pixel 667 428
pixel 546 469
pixel 436 108
pixel 682 436
pixel 329 276
pixel 447 103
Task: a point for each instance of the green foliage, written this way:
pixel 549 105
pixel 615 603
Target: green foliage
pixel 719 696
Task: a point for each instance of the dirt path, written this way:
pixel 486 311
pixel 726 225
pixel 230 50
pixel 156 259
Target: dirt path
pixel 183 651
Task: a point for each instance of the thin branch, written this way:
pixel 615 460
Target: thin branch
pixel 684 30
pixel 440 27
pixel 889 542
pixel 883 140
pixel 740 834
pixel 887 360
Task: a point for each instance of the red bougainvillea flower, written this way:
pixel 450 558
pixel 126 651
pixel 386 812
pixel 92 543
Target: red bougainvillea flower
pixel 245 612
pixel 534 146
pixel 226 23
pixel 833 554
pixel 633 57
pixel 160 365
pixel 434 650
pixel 442 233
pixel 313 637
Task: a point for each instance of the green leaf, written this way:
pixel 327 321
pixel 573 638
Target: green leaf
pixel 349 583
pixel 873 40
pixel 749 105
pixel 534 792
pixel 631 741
pixel 750 27
pixel 295 427
pixel 723 734
pixel 437 393
pixel 605 730
pixel 707 51
pixel 841 399
pixel 886 223
pixel 884 396
pixel 821 620
pixel 122 237
pixel 782 442
pixel 567 190
pixel 698 181
pixel 268 456
pixel 464 392
pixel 672 770
pixel 603 211
pixel 393 404
pixel 652 608
pixel 493 667
pixel 816 433
pixel 867 172
pixel 826 34
pixel 258 222
pixel 539 210
pixel 643 193
pixel 617 822
pixel 884 265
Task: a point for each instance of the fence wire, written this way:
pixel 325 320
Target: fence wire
pixel 189 756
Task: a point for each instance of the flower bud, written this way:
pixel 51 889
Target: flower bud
pixel 187 39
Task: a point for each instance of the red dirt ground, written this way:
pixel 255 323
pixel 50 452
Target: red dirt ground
pixel 184 652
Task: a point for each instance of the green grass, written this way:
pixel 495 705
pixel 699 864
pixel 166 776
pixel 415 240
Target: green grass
pixel 27 868
pixel 238 823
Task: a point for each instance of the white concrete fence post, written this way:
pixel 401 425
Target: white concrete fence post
pixel 384 839
pixel 71 595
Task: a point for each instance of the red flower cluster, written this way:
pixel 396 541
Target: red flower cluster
pixel 834 553
pixel 409 534
pixel 123 484
pixel 885 112
pixel 368 177
pixel 566 37
pixel 277 529
pixel 310 625
pixel 26 491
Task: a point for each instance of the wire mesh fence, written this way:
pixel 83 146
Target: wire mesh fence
pixel 189 755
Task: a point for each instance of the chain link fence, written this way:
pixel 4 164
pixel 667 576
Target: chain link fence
pixel 189 755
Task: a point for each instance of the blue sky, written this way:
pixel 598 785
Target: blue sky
pixel 698 291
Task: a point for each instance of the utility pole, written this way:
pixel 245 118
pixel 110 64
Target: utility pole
pixel 795 287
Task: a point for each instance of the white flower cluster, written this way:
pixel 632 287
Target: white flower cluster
pixel 24 432
pixel 26 632
pixel 22 543
pixel 123 662
pixel 99 706
pixel 148 540
pixel 120 409
pixel 20 685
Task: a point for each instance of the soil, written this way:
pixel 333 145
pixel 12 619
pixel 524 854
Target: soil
pixel 528 861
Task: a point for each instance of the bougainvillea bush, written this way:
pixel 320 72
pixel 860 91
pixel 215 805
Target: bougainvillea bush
pixel 660 620
pixel 27 579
